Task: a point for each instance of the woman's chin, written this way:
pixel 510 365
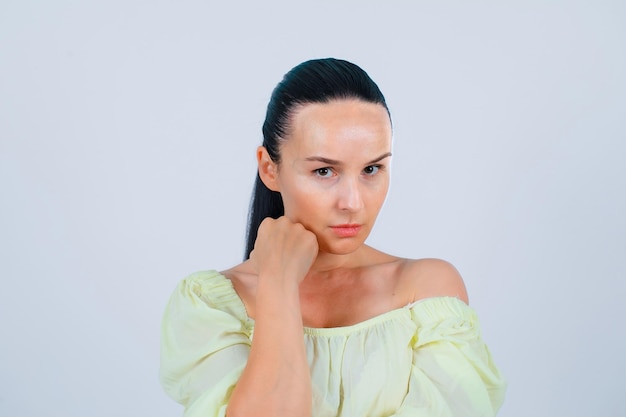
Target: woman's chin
pixel 342 247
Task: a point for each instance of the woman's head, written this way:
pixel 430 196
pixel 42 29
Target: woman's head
pixel 316 82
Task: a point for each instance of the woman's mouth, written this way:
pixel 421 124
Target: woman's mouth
pixel 346 230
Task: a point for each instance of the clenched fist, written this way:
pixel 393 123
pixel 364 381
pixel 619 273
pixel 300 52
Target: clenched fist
pixel 283 249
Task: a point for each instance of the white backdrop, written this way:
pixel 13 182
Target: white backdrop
pixel 127 138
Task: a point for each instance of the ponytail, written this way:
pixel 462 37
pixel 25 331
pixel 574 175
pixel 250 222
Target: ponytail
pixel 264 203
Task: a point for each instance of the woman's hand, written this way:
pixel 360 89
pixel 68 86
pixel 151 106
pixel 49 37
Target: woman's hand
pixel 283 249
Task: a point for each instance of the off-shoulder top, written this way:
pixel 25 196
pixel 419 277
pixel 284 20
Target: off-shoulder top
pixel 423 360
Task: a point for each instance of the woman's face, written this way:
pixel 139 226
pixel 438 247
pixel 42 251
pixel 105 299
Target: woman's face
pixel 334 171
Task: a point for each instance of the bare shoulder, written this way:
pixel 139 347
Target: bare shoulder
pixel 426 278
pixel 244 281
pixel 242 272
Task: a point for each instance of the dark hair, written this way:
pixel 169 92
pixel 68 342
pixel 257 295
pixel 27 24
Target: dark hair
pixel 314 81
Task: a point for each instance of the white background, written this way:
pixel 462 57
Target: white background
pixel 127 138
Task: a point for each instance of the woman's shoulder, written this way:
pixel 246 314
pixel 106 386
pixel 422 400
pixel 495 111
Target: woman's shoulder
pixel 243 272
pixel 209 285
pixel 243 279
pixel 431 277
pixel 204 296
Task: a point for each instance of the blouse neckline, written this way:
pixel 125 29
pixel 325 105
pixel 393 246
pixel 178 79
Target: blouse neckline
pixel 404 311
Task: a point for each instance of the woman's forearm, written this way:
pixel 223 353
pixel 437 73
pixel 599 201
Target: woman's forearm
pixel 276 380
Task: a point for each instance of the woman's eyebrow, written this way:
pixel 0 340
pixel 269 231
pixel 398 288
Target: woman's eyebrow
pixel 335 162
pixel 380 158
pixel 322 159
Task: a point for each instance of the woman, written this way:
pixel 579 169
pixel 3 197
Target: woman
pixel 315 322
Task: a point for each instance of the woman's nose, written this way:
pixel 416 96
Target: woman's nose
pixel 350 196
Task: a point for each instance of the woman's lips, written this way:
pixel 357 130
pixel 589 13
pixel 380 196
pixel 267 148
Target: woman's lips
pixel 346 230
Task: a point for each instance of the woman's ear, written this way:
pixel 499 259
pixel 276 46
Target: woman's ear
pixel 268 169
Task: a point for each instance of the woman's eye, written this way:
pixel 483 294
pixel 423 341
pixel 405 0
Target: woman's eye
pixel 372 169
pixel 324 172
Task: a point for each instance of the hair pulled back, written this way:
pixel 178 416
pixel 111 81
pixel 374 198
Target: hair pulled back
pixel 314 81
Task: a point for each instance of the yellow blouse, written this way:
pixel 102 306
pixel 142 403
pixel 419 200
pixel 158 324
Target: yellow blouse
pixel 426 359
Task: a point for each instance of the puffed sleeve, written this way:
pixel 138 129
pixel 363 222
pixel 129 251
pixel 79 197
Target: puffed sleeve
pixel 453 374
pixel 205 341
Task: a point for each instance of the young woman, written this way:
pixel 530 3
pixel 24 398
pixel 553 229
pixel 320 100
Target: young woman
pixel 315 322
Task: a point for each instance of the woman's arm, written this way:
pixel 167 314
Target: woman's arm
pixel 276 380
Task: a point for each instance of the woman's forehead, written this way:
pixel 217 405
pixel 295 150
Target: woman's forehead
pixel 339 124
